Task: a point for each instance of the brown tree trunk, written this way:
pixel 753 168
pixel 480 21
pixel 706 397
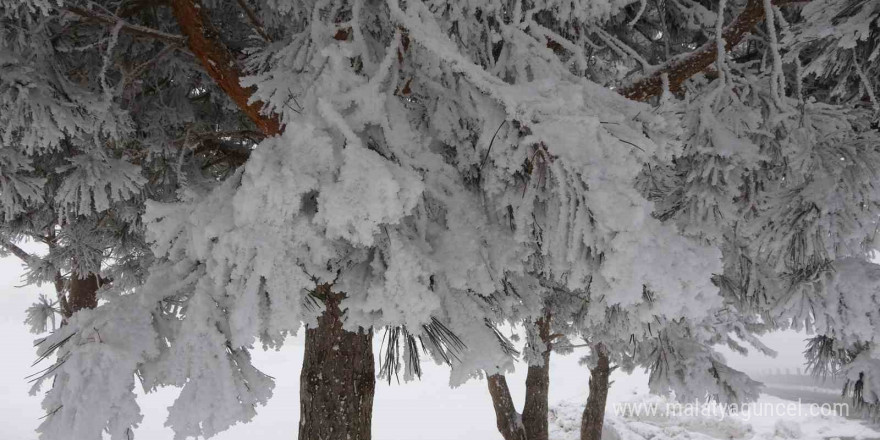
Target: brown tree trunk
pixel 532 424
pixel 82 293
pixel 538 389
pixel 338 379
pixel 507 419
pixel 594 411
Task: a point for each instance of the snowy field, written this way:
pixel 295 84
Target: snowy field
pixel 428 409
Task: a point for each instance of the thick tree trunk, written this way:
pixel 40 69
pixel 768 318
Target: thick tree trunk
pixel 594 411
pixel 338 379
pixel 538 389
pixel 82 293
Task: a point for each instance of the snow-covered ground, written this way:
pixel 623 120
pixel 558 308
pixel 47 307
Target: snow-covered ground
pixel 427 410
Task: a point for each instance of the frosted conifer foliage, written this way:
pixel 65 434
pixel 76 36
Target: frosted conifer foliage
pixel 443 165
pixel 384 185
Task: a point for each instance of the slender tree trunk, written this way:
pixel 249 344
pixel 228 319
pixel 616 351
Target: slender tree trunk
pixel 594 411
pixel 536 405
pixel 338 379
pixel 507 419
pixel 532 424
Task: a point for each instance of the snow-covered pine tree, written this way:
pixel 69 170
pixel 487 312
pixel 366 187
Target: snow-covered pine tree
pixel 837 46
pixel 436 168
pixel 615 331
pixel 65 181
pixel 383 182
pixel 779 171
pixel 773 174
pixel 94 121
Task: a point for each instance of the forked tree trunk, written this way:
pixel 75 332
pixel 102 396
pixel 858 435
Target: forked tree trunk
pixel 532 424
pixel 507 419
pixel 338 379
pixel 594 411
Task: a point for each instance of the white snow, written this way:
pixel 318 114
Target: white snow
pixel 428 409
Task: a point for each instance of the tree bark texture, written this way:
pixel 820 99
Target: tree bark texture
pixel 338 379
pixel 532 424
pixel 507 419
pixel 535 409
pixel 594 412
pixel 82 293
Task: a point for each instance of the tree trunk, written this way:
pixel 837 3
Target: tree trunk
pixel 532 424
pixel 338 379
pixel 83 293
pixel 538 389
pixel 594 411
pixel 506 418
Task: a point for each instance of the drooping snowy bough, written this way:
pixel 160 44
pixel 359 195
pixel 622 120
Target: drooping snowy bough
pixel 437 169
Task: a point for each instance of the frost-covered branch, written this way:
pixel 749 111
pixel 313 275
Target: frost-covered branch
pixel 133 29
pixel 17 251
pixel 255 21
pixel 203 40
pixel 680 69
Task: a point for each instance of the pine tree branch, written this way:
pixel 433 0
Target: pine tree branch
pixel 255 21
pixel 17 251
pixel 680 69
pixel 133 29
pixel 204 42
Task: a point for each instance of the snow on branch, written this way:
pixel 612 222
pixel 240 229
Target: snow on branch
pixel 255 21
pixel 680 69
pixel 218 61
pixel 17 251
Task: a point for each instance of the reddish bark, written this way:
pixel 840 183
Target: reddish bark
pixel 680 69
pixel 204 42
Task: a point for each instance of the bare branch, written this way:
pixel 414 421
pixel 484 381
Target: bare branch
pixel 17 251
pixel 143 67
pixel 255 21
pixel 133 29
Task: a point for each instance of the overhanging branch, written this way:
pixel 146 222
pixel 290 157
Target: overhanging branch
pixel 133 29
pixel 680 69
pixel 255 21
pixel 17 251
pixel 204 42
